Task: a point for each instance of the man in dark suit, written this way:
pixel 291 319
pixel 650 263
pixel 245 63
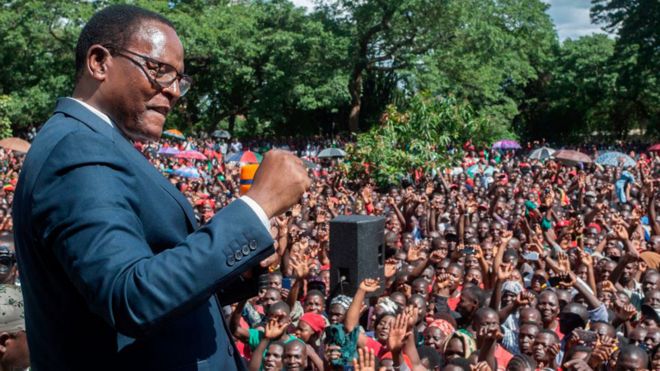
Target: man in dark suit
pixel 116 273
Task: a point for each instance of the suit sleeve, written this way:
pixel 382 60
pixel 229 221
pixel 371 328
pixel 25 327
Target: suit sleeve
pixel 85 209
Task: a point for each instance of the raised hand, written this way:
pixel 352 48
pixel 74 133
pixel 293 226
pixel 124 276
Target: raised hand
pixel 504 272
pixel 366 360
pixel 526 299
pixel 506 236
pixel 370 285
pixel 564 262
pixel 390 267
pixel 398 333
pixel 300 265
pixel 296 210
pixel 608 286
pixel 625 312
pixel 274 329
pixel 444 281
pixel 272 191
pixel 620 232
pixel 412 312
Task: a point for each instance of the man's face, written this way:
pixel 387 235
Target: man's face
pixel 541 345
pixel 457 276
pixel 420 288
pixel 526 338
pixel 653 299
pixel 467 304
pixel 489 320
pixel 295 356
pixel 16 354
pixel 628 361
pixel 628 272
pixel 270 297
pixel 136 106
pixel 650 282
pixel 548 306
pixel 273 358
pixel 280 316
pixel 652 338
pixel 314 303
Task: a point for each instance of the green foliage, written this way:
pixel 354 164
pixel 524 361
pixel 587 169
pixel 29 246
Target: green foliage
pixel 5 121
pixel 422 135
pixel 499 47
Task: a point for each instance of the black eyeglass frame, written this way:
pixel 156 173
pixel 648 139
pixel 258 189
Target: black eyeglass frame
pixel 153 80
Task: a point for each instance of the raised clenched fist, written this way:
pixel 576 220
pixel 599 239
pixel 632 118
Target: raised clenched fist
pixel 279 183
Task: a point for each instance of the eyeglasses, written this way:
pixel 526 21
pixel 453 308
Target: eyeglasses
pixel 159 74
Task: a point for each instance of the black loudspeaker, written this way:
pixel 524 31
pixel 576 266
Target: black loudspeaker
pixel 357 251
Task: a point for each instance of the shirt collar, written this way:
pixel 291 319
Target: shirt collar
pixel 95 111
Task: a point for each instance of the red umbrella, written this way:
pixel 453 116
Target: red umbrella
pixel 655 148
pixel 192 155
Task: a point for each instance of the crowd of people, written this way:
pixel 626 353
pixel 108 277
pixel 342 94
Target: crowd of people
pixel 516 264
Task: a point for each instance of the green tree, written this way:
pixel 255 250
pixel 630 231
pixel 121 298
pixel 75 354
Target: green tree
pixel 385 35
pixel 577 96
pixel 498 48
pixel 636 59
pixel 424 134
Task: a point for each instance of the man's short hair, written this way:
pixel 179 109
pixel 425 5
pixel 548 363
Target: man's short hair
pixel 113 25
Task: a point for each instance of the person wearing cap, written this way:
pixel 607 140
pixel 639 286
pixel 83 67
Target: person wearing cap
pixel 14 353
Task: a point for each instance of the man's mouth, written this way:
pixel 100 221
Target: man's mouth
pixel 161 109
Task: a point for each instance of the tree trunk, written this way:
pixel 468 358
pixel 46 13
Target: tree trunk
pixel 355 89
pixel 232 123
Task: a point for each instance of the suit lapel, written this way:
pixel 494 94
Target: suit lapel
pixel 139 160
pixel 74 109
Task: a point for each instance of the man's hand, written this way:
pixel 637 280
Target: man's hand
pixel 390 267
pixel 398 333
pixel 274 329
pixel 274 192
pixel 369 285
pixel 366 360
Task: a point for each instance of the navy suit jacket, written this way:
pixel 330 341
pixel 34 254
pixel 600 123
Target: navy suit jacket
pixel 116 274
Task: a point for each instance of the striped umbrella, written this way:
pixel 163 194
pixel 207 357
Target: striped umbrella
pixel 542 153
pixel 173 133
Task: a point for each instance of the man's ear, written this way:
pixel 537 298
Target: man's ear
pixel 98 61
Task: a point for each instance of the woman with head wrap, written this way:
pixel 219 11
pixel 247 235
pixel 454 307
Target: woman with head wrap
pixel 458 345
pixel 338 308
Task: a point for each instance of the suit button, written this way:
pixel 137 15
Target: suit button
pixel 245 250
pixel 230 350
pixel 238 255
pixel 253 245
pixel 231 260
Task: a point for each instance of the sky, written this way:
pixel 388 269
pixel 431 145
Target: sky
pixel 571 17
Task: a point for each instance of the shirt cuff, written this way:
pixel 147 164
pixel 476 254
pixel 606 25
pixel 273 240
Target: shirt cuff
pixel 261 214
